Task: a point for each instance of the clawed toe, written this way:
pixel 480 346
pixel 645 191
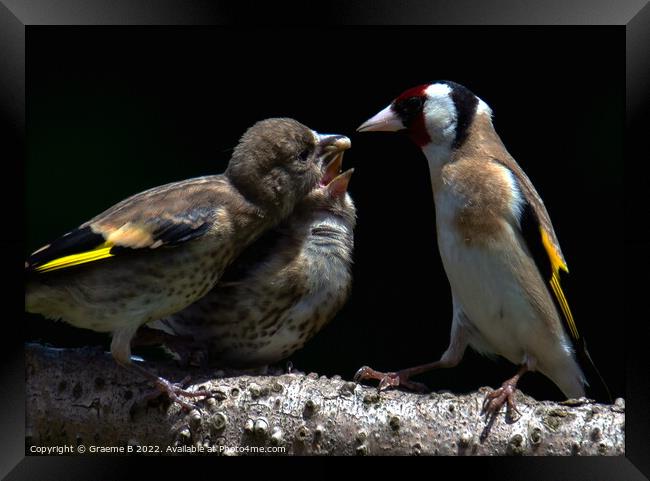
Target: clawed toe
pixel 495 400
pixel 175 390
pixel 389 380
pixel 363 373
pixel 386 380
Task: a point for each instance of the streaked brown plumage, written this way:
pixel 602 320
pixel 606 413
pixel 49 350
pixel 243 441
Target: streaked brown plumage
pixel 282 290
pixel 166 247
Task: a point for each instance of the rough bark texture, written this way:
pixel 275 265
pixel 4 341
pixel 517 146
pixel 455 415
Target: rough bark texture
pixel 81 397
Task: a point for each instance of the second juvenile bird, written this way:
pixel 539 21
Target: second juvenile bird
pixel 281 291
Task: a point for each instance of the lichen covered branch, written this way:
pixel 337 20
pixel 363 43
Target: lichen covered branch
pixel 81 397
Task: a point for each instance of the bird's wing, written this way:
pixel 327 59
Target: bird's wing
pixel 164 216
pixel 537 231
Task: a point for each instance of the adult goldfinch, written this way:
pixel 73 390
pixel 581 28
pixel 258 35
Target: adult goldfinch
pixel 156 252
pixel 282 290
pixel 497 244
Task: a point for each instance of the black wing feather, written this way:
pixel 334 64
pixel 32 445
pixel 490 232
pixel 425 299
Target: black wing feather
pixel 167 232
pixel 174 233
pixel 529 226
pixel 75 241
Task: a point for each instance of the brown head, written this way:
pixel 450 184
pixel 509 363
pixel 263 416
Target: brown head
pixel 278 161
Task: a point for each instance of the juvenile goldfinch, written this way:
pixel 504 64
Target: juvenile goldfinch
pixel 282 290
pixel 156 252
pixel 496 241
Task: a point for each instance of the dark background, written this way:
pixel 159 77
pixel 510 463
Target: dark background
pixel 113 111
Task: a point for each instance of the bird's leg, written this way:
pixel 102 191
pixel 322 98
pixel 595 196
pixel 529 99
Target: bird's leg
pixel 450 358
pixel 504 395
pixel 121 351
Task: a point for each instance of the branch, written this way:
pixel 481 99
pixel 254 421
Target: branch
pixel 80 396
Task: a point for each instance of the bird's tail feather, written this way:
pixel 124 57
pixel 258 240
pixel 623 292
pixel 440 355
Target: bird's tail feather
pixel 593 373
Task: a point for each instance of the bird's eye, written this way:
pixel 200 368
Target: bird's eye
pixel 304 155
pixel 413 103
pixel 409 108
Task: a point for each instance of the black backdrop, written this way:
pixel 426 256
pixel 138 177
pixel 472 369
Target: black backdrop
pixel 113 111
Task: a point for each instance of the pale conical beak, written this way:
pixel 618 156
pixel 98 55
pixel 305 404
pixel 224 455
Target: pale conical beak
pixel 384 121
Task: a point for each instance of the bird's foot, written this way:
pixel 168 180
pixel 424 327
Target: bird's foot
pixel 389 379
pixel 495 400
pixel 174 391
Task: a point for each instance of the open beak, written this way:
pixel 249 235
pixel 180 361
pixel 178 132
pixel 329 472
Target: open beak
pixel 332 148
pixel 333 180
pixel 332 169
pixel 339 185
pixel 384 121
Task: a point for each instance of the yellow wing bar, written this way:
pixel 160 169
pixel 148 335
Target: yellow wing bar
pixel 557 263
pixel 556 260
pixel 100 252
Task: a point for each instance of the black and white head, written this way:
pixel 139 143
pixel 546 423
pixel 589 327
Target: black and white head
pixel 437 115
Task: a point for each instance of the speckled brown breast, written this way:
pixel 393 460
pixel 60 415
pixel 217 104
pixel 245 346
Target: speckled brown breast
pixel 280 332
pixel 261 324
pixel 288 291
